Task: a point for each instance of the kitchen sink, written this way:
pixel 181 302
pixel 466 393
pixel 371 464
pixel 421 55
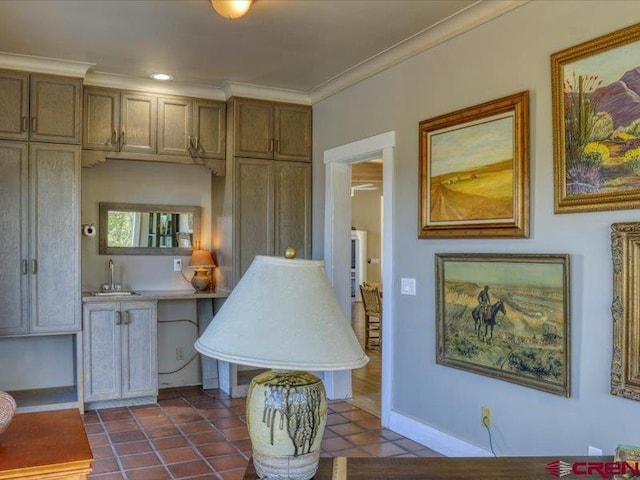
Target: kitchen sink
pixel 114 293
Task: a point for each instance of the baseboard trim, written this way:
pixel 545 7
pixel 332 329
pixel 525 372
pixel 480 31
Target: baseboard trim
pixel 432 438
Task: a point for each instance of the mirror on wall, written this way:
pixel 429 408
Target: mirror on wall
pixel 135 229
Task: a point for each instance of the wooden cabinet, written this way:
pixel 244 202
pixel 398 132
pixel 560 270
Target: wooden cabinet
pixel 40 108
pixel 138 122
pixel 14 105
pixel 120 350
pixel 209 129
pixel 272 210
pixel 39 260
pixel 164 126
pixel 279 131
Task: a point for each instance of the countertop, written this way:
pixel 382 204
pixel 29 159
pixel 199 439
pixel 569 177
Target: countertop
pixel 155 295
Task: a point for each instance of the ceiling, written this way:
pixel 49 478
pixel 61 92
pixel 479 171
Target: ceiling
pixel 296 45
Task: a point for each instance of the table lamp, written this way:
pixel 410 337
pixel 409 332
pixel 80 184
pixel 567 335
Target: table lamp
pixel 202 263
pixel 284 315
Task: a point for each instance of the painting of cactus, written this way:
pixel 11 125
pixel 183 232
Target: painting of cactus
pixel 596 119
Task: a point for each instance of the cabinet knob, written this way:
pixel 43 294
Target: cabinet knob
pixel 118 319
pixel 33 124
pixel 25 266
pixel 34 266
pixel 23 127
pixel 125 320
pixel 277 146
pixel 122 138
pixel 271 145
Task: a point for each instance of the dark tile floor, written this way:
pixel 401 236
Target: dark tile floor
pixel 197 434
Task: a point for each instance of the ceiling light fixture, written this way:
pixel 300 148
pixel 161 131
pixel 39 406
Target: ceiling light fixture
pixel 161 76
pixel 231 8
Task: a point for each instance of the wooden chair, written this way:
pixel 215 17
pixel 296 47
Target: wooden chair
pixel 372 302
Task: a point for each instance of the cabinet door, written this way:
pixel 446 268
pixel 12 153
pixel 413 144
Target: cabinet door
pixel 54 267
pixel 101 351
pixel 55 109
pixel 209 128
pixel 139 349
pixel 253 129
pixel 14 224
pixel 14 105
pixel 101 119
pixel 293 208
pixel 253 213
pixel 292 132
pixel 175 117
pixel 138 123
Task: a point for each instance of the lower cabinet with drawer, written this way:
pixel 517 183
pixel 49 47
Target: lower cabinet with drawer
pixel 120 353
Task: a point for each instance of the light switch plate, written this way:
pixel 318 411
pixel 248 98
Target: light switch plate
pixel 408 286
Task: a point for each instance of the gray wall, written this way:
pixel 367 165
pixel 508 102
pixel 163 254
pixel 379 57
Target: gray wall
pixel 504 56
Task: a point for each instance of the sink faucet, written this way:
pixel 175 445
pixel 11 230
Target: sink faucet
pixel 111 273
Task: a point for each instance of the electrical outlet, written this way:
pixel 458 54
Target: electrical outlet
pixel 177 264
pixel 179 354
pixel 485 416
pixel 408 286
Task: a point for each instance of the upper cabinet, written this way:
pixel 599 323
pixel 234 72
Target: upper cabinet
pixel 279 131
pixel 42 108
pixel 161 128
pixel 119 122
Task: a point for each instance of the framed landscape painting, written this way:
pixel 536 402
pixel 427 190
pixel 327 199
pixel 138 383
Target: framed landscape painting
pixel 596 123
pixel 506 317
pixel 474 171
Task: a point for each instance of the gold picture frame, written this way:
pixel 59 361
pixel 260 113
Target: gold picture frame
pixel 474 171
pixel 625 309
pixel 506 316
pixel 596 123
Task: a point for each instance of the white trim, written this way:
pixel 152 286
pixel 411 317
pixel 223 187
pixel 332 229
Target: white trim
pixel 434 439
pixel 235 89
pixel 50 66
pixel 336 159
pixel 123 82
pixel 467 19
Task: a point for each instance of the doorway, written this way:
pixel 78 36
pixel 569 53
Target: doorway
pixel 337 252
pixel 366 268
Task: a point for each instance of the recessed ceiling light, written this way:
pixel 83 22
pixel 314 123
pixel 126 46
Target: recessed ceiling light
pixel 161 76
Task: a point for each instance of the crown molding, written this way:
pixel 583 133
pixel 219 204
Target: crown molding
pixel 234 89
pixel 51 66
pixel 123 82
pixel 473 16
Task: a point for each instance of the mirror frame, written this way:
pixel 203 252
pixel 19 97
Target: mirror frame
pixel 105 207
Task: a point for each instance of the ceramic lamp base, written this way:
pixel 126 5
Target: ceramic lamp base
pixel 202 281
pixel 286 416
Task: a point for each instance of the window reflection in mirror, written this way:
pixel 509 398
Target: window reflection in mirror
pixel 148 229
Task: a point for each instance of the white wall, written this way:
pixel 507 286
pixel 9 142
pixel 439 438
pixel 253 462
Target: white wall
pixel 504 56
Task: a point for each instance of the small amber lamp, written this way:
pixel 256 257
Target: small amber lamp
pixel 202 263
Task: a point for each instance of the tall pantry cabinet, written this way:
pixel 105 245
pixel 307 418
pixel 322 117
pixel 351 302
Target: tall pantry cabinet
pixel 264 205
pixel 40 197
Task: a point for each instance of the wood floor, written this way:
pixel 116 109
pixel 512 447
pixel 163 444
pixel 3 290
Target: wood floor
pixel 366 381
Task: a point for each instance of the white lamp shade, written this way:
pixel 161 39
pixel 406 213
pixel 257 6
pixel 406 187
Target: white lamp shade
pixel 283 314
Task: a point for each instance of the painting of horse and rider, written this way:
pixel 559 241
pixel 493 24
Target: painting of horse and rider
pixel 505 316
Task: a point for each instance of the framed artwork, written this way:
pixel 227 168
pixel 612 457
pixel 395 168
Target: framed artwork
pixel 625 364
pixel 474 171
pixel 596 123
pixel 506 317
